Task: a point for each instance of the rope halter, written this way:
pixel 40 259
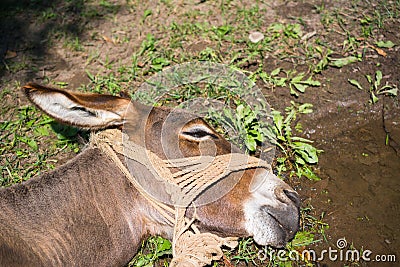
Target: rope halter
pixel 190 247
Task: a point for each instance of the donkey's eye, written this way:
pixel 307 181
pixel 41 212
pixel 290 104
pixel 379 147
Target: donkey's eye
pixel 199 133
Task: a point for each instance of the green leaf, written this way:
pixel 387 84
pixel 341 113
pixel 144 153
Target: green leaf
pixel 312 82
pixel 30 123
pixel 300 161
pixel 257 134
pixel 378 78
pixel 280 82
pixel 43 130
pixel 281 159
pixel 142 261
pixel 290 115
pixel 147 13
pixel 240 110
pixel 298 78
pixel 383 44
pixel 306 151
pixel 270 134
pixel 389 91
pixel 223 30
pixel 299 127
pixel 275 71
pixel 30 142
pixel 301 139
pixel 369 78
pixel 45 120
pixel 264 76
pixel 90 76
pixel 278 120
pixel 5 125
pixel 163 244
pixel 307 172
pixel 251 144
pixel 300 87
pixel 292 91
pixel 321 65
pixel 340 62
pixel 374 99
pixel 277 27
pixel 302 238
pixel 62 84
pixel 306 108
pixel 249 120
pixel 355 83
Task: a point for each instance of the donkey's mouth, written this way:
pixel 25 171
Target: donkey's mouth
pixel 272 212
pixel 287 232
pixel 270 225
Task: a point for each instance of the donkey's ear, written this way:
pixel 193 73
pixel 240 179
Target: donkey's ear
pixel 89 111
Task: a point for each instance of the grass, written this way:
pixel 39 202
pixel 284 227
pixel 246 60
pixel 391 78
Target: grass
pixel 375 88
pixel 151 251
pixel 73 44
pixel 27 142
pixel 290 56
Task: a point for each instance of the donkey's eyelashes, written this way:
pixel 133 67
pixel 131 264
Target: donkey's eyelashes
pixel 198 133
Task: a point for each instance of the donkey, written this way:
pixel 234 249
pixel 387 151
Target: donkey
pixel 86 213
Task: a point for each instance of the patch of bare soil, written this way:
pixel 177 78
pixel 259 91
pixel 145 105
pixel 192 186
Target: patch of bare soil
pixel 360 190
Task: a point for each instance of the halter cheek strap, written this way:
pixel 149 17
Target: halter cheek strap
pixel 190 247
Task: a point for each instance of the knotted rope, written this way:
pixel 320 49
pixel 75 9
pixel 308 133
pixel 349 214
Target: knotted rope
pixel 190 247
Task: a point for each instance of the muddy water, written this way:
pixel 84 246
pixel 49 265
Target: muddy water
pixel 360 190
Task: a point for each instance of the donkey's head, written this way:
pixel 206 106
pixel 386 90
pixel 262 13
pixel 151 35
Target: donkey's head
pixel 258 205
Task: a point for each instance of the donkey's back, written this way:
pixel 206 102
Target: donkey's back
pixel 60 218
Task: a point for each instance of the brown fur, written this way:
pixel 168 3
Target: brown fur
pixel 86 213
pixel 76 215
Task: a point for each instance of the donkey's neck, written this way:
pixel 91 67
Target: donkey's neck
pixel 85 212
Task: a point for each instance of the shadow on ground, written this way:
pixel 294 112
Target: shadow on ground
pixel 30 27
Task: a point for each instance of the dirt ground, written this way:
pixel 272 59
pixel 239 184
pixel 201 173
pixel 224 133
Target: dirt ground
pixel 359 193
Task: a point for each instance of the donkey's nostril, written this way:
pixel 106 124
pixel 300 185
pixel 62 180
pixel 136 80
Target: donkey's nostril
pixel 293 196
